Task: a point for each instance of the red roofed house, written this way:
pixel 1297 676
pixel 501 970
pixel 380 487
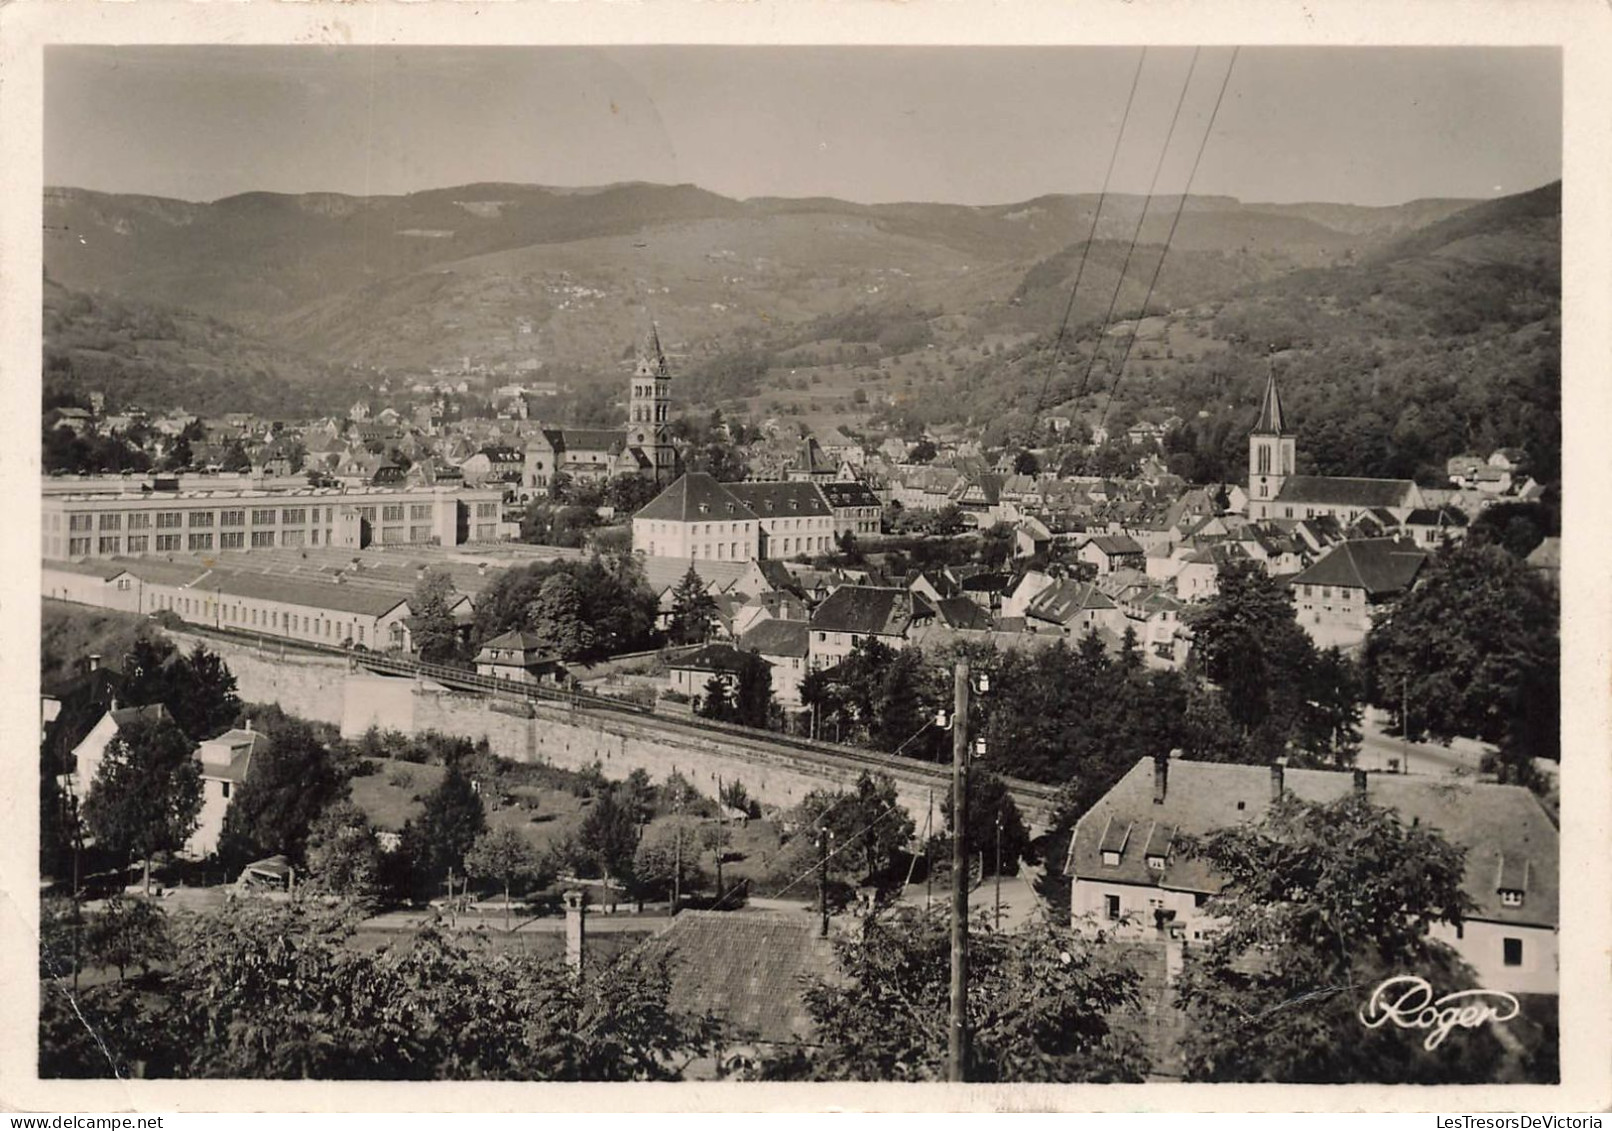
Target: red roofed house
pixel 1338 596
pixel 1127 876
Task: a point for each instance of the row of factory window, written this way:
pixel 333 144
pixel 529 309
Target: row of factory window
pixel 314 626
pixel 201 519
pixel 231 540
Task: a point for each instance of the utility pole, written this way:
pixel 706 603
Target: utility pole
pixel 998 869
pixel 1404 718
pixel 721 840
pixel 957 1044
pixel 825 838
pixel 929 863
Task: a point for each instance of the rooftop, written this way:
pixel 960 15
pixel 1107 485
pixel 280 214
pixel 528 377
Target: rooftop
pixel 1380 566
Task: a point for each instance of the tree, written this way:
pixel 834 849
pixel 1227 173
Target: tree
pixel 344 853
pixel 716 701
pixel 1460 647
pixel 504 855
pixel 693 610
pixel 198 688
pixel 1329 727
pixel 991 805
pixel 1026 463
pixel 1247 640
pixel 921 452
pixel 752 696
pixel 1321 903
pixel 290 780
pixel 453 819
pixel 1041 1006
pixel 667 861
pixel 147 793
pixel 557 616
pixel 431 623
pixel 881 825
pixel 609 834
pixel 128 932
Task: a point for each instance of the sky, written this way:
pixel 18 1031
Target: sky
pixel 969 125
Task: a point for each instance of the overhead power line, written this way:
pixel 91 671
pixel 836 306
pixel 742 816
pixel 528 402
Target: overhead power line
pixel 1102 333
pixel 1179 208
pixel 1080 271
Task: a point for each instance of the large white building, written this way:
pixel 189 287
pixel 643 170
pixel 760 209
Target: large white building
pixel 698 517
pixel 132 518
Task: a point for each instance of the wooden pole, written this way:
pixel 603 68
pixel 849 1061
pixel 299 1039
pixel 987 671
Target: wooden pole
pixel 957 1043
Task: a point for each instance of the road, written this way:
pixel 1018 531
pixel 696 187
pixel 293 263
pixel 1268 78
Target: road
pixel 1380 750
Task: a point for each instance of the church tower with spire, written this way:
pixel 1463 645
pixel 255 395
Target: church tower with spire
pixel 649 410
pixel 1271 449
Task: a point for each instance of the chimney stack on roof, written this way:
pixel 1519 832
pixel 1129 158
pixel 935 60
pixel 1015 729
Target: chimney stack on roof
pixel 1161 775
pixel 94 661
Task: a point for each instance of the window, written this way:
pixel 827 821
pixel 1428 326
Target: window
pixel 232 540
pixel 392 513
pixel 291 537
pixel 294 516
pixel 200 519
pixel 418 511
pixel 80 521
pixel 232 518
pixel 226 790
pixel 1511 950
pixel 262 539
pixel 1199 899
pixel 139 543
pixel 1110 859
pixel 140 521
pixel 262 518
pixel 1510 897
pixel 108 545
pixel 167 542
pixel 77 547
pixel 111 522
pixel 170 520
pixel 1155 863
pixel 201 541
pixel 1111 906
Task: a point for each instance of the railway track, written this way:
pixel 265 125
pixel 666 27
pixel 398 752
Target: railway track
pixel 1034 799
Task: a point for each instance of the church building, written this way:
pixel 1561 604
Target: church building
pixel 645 448
pixel 1274 492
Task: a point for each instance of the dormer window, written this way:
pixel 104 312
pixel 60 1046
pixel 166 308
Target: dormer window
pixel 1111 860
pixel 1510 897
pixel 1155 863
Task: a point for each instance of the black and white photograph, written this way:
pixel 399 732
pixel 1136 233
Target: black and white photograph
pixel 762 563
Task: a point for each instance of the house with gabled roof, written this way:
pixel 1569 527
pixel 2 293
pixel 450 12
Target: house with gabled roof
pixel 1128 876
pixel 794 518
pixel 1431 527
pixel 854 613
pixel 697 517
pixel 521 657
pixel 225 761
pixel 87 756
pixel 1071 608
pixel 1110 552
pixel 690 673
pixel 786 645
pixel 1339 596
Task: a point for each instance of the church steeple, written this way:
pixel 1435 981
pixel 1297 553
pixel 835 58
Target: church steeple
pixel 1271 452
pixel 1271 421
pixel 649 409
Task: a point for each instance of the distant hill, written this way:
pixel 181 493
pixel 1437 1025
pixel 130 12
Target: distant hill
pixel 509 272
pixel 161 357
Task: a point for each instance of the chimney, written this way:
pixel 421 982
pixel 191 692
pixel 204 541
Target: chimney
pixel 1278 767
pixel 1161 776
pixel 94 661
pixel 1360 783
pixel 575 929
